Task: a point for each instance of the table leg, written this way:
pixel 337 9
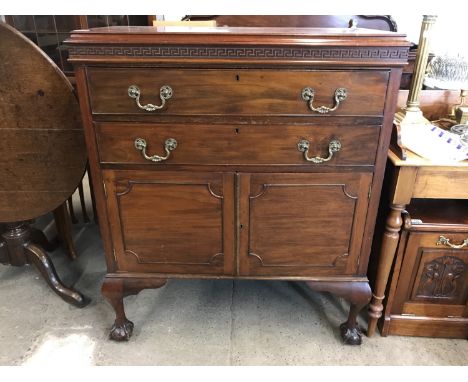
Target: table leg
pixel 387 254
pixel 17 249
pixel 44 265
pixel 38 237
pixel 64 229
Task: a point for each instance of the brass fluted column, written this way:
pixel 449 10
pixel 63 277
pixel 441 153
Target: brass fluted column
pixel 410 117
pixel 411 113
pixel 421 62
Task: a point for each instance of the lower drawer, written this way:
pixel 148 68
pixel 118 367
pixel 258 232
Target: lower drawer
pixel 237 145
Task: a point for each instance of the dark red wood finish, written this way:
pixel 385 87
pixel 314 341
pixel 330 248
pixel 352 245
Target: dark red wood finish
pixel 236 198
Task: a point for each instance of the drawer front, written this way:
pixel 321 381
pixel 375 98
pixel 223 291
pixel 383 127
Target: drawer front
pixel 237 145
pixel 172 222
pixel 302 224
pixel 236 92
pixel 434 276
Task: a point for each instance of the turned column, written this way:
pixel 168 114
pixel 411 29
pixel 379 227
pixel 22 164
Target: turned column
pixel 401 192
pixel 388 249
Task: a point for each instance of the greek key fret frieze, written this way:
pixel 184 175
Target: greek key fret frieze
pixel 318 53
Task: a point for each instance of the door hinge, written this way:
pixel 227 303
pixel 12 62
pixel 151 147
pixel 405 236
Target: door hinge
pixel 115 256
pixel 370 192
pixel 105 189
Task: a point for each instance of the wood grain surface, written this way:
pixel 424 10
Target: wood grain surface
pixel 206 144
pixel 41 137
pixel 244 92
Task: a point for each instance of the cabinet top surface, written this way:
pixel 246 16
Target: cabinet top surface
pixel 223 45
pixel 227 34
pixel 414 160
pixel 240 30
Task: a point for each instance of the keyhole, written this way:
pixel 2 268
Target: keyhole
pixel 237 131
pixel 241 226
pixel 237 77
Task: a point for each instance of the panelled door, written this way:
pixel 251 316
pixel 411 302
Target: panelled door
pixel 276 224
pixel 171 222
pixel 301 224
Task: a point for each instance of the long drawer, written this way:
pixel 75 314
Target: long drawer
pixel 237 92
pixel 178 144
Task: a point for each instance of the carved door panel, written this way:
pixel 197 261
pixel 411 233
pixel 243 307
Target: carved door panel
pixel 171 222
pixel 434 278
pixel 301 224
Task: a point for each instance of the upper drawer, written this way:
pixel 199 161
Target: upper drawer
pixel 237 92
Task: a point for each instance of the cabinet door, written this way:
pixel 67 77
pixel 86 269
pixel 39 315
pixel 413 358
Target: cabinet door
pixel 171 222
pixel 301 224
pixel 434 277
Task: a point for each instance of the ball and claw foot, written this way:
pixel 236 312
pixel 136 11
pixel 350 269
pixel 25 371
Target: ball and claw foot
pixel 121 332
pixel 350 335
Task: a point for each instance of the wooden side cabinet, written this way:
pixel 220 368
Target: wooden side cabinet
pixel 409 180
pixel 428 294
pixel 237 153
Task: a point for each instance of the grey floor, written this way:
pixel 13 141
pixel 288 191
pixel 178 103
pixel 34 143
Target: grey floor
pixel 189 322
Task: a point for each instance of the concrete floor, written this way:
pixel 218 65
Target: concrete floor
pixel 189 322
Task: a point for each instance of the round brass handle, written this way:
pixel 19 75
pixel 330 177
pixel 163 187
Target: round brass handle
pixel 333 147
pixel 308 95
pixel 165 92
pixel 169 145
pixel 444 241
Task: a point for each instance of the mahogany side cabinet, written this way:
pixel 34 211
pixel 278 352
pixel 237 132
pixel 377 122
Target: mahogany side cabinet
pixel 247 153
pixel 428 292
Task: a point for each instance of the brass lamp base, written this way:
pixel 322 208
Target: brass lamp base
pixel 461 114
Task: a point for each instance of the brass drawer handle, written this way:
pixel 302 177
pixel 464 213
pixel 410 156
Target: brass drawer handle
pixel 308 95
pixel 165 92
pixel 169 145
pixel 444 241
pixel 333 147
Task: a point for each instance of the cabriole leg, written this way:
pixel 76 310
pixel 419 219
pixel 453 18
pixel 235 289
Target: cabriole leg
pixel 358 293
pixel 114 289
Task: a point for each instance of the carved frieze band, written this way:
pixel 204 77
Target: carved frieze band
pixel 278 52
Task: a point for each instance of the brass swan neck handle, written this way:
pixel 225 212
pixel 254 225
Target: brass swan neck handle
pixel 444 241
pixel 165 92
pixel 169 145
pixel 333 147
pixel 308 95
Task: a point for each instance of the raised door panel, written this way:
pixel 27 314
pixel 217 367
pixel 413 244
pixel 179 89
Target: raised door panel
pixel 434 278
pixel 166 222
pixel 302 224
